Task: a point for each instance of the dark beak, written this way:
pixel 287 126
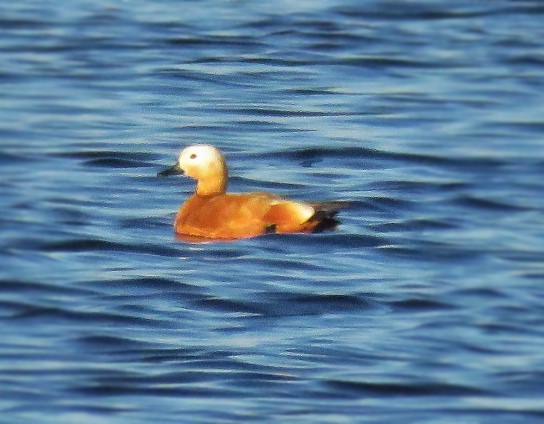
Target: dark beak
pixel 174 169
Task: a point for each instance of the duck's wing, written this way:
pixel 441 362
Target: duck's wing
pixel 287 216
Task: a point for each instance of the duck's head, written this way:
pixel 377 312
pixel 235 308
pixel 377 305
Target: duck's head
pixel 204 163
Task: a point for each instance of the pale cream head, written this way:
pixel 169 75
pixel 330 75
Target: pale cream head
pixel 206 164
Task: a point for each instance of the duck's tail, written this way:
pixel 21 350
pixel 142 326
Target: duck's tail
pixel 328 209
pixel 324 217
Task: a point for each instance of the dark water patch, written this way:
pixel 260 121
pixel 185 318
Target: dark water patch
pixel 259 184
pixel 274 112
pixel 140 286
pixel 34 288
pixel 289 305
pixel 316 155
pixel 533 275
pixel 414 225
pixel 409 100
pixel 147 222
pixel 354 355
pixel 207 40
pixel 480 164
pixel 82 48
pixel 276 61
pixel 19 23
pixel 99 245
pixel 505 328
pixel 334 38
pixel 476 164
pixel 69 216
pixel 532 254
pixel 209 60
pixel 260 126
pixel 201 382
pixel 185 74
pixel 283 262
pixel 522 381
pixel 115 163
pixel 424 11
pixel 430 251
pixel 12 309
pixel 305 91
pixel 351 240
pixel 111 344
pixel 76 203
pixel 53 314
pixel 526 60
pixel 380 62
pixel 132 305
pixel 130 388
pixel 83 245
pixel 418 187
pixel 327 241
pixel 91 155
pixel 478 294
pixel 231 306
pixel 24 243
pixel 219 250
pixel 387 204
pixel 175 355
pixel 185 380
pixel 110 21
pixel 418 304
pixel 486 204
pixel 11 158
pixel 357 389
pixel 539 165
pixel 471 347
pixel 217 129
pixel 535 127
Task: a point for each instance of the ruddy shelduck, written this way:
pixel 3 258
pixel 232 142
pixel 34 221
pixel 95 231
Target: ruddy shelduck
pixel 212 213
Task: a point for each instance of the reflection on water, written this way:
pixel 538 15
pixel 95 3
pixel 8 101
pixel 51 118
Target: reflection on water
pixel 425 303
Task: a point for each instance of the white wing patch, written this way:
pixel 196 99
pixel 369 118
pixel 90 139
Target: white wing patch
pixel 302 211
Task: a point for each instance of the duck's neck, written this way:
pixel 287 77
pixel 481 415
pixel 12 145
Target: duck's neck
pixel 213 184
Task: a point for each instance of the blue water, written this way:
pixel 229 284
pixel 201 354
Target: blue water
pixel 426 305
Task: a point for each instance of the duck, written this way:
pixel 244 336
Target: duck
pixel 213 214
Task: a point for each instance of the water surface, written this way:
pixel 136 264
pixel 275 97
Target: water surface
pixel 424 306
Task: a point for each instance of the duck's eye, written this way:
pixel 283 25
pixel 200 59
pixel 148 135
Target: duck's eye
pixel 193 156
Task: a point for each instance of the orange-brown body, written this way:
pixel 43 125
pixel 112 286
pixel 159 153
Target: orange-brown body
pixel 231 216
pixel 211 213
